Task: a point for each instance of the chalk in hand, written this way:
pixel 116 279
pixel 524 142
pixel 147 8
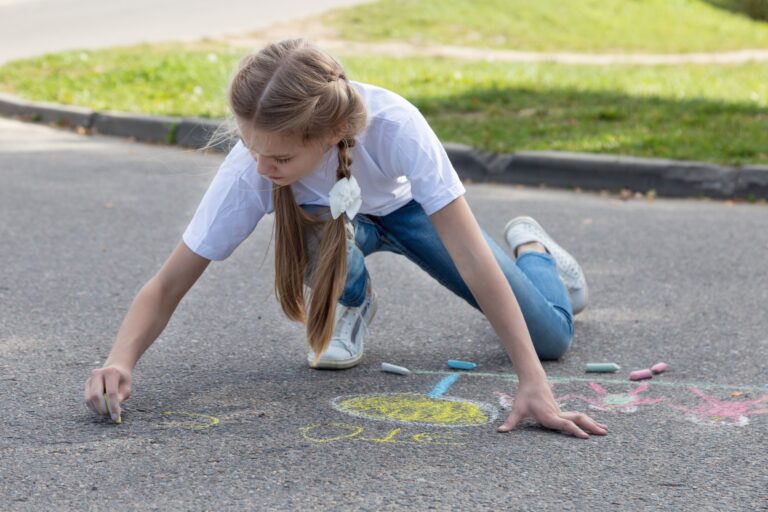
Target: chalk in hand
pixel 393 368
pixel 461 365
pixel 641 374
pixel 602 367
pixel 659 367
pixel 118 420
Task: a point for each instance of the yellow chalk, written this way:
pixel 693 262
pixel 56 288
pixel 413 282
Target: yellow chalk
pixel 118 420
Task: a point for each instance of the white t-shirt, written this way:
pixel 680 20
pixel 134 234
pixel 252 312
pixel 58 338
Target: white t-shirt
pixel 397 158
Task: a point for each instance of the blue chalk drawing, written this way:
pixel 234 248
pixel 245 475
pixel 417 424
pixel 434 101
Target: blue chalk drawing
pixel 443 386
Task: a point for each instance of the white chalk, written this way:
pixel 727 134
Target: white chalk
pixel 392 368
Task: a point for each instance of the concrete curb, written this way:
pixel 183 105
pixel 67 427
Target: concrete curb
pixel 671 178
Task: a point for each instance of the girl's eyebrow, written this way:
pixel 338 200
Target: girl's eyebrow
pixel 268 156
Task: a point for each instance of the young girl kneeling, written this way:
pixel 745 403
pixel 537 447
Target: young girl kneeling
pixel 302 125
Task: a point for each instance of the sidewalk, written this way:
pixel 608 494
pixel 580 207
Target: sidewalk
pixel 226 415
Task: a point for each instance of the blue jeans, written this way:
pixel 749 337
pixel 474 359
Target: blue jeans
pixel 408 231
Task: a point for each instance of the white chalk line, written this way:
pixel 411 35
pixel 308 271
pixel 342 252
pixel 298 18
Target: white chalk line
pixel 597 378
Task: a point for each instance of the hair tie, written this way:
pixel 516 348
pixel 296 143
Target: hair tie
pixel 345 198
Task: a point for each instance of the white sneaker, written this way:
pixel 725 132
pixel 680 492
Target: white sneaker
pixel 524 229
pixel 346 347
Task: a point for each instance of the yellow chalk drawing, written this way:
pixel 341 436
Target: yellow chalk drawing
pixel 322 433
pixel 417 409
pixel 212 420
pixel 432 438
pixel 306 432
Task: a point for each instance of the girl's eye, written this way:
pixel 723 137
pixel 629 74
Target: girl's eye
pixel 281 160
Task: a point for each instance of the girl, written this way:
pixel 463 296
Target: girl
pixel 302 125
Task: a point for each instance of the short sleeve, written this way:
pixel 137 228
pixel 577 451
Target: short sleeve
pixel 421 157
pixel 228 212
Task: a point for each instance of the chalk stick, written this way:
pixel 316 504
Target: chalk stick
pixel 393 368
pixel 659 367
pixel 641 374
pixel 602 367
pixel 461 365
pixel 118 420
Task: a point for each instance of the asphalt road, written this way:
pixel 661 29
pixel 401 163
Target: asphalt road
pixel 226 415
pixel 33 27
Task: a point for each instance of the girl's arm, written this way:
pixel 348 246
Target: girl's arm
pixel 154 305
pixel 477 265
pixel 146 318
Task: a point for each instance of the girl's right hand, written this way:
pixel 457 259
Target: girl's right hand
pixel 115 381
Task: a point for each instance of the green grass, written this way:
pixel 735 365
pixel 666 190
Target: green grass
pixel 557 25
pixel 168 79
pixel 712 113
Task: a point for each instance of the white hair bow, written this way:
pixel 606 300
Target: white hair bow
pixel 345 197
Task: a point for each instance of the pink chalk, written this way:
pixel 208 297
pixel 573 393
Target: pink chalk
pixel 641 374
pixel 659 367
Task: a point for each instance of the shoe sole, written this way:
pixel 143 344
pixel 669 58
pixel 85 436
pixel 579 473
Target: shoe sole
pixel 581 293
pixel 348 363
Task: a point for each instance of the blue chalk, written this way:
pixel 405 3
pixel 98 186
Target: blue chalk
pixel 443 386
pixel 461 365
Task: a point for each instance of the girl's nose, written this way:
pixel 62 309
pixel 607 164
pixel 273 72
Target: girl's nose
pixel 262 167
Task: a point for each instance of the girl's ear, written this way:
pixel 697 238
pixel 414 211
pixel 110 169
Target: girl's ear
pixel 338 133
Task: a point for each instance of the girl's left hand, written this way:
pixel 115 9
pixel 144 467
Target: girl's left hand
pixel 534 399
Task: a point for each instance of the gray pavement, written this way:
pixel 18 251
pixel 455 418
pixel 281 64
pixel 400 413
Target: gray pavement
pixel 33 27
pixel 225 414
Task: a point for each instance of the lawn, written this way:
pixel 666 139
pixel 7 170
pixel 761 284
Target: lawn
pixel 716 113
pixel 660 26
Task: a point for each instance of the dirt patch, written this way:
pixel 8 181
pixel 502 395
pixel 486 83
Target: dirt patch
pixel 328 38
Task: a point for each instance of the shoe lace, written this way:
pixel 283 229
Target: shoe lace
pixel 567 269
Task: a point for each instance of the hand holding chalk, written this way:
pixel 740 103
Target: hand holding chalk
pixel 106 388
pixel 115 415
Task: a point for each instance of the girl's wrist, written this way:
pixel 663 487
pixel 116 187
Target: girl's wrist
pixel 531 373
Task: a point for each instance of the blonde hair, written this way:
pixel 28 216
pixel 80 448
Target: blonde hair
pixel 293 88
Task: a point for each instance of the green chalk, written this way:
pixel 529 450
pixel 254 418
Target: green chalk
pixel 603 367
pixel 106 399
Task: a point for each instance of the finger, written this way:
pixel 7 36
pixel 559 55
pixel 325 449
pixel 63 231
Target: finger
pixel 567 426
pixel 96 393
pixel 585 422
pixel 87 396
pixel 512 420
pixel 111 381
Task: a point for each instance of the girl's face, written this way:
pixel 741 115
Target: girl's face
pixel 283 160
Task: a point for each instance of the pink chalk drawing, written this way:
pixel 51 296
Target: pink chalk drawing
pixel 713 412
pixel 505 400
pixel 734 413
pixel 610 402
pixel 606 402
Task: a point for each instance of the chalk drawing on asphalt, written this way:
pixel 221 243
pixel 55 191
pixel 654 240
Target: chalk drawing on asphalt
pixel 322 433
pixel 433 409
pixel 436 409
pixel 732 412
pixel 210 421
pixel 620 402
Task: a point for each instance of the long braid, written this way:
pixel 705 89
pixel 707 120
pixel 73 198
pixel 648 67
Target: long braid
pixel 330 273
